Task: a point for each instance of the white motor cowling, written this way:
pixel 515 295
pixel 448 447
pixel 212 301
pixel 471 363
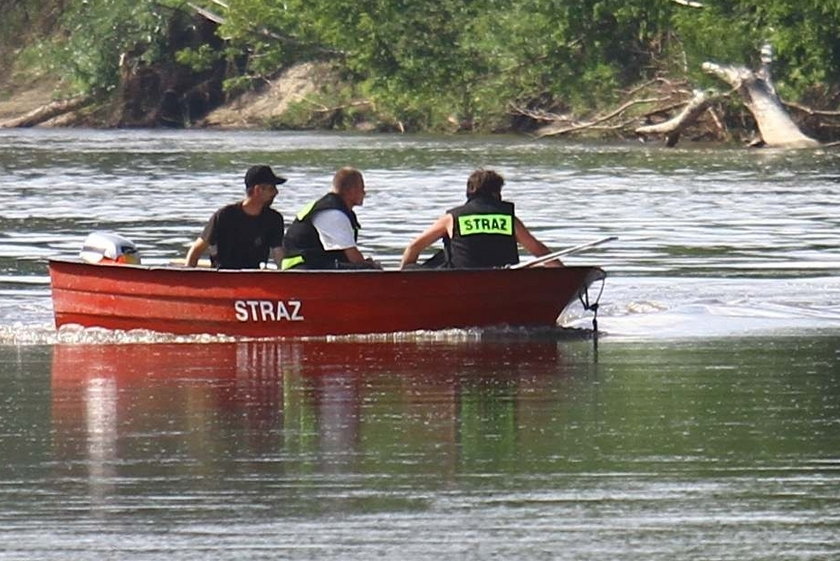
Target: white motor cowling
pixel 108 247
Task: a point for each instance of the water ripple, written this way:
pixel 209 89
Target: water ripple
pixel 696 212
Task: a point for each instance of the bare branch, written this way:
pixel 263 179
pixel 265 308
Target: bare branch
pixel 207 14
pixel 673 127
pixel 265 32
pixel 689 114
pixel 539 114
pixel 689 3
pixel 321 108
pixel 554 130
pixel 811 111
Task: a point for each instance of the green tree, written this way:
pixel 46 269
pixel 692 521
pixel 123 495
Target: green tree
pixel 424 62
pixel 97 34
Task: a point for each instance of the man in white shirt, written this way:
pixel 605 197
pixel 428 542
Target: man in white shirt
pixel 325 232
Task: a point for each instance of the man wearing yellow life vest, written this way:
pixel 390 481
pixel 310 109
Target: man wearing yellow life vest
pixel 482 233
pixel 324 233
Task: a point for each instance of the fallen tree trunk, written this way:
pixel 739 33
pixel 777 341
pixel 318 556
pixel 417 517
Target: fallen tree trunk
pixel 673 127
pixel 775 125
pixel 47 112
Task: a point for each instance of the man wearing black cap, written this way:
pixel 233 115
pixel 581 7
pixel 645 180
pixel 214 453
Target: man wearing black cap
pixel 241 235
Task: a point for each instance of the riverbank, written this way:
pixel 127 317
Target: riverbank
pixel 293 100
pixel 307 96
pixel 499 68
pixel 252 110
pixel 19 99
pixel 313 96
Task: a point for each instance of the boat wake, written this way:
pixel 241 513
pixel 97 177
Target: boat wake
pixel 690 308
pixel 22 335
pixel 631 308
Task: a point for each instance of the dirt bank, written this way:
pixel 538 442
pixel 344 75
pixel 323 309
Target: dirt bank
pixel 16 100
pixel 261 108
pixel 267 105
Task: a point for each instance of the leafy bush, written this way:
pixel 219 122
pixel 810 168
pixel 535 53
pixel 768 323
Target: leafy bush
pixel 425 63
pixel 97 36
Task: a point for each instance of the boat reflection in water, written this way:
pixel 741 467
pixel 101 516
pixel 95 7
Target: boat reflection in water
pixel 186 409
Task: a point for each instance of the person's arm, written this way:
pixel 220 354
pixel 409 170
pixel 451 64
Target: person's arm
pixel 355 256
pixel 204 240
pixel 275 238
pixel 198 247
pixel 336 234
pixel 278 254
pixel 436 231
pixel 534 246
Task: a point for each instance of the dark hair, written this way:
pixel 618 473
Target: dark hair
pixel 486 183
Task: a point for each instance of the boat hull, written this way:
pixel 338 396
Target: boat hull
pixel 309 303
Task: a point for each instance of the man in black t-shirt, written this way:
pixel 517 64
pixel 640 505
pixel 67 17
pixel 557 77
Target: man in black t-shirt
pixel 242 235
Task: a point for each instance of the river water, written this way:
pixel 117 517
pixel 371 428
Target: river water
pixel 704 424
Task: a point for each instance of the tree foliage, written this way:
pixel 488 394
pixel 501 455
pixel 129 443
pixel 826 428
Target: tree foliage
pixel 21 23
pixel 424 62
pixel 427 61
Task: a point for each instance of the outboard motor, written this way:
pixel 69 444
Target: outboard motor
pixel 108 247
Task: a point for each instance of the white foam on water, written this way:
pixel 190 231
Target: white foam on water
pixel 651 309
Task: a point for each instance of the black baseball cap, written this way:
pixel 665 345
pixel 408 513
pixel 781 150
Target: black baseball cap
pixel 257 175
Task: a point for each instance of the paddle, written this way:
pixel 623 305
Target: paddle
pixel 560 253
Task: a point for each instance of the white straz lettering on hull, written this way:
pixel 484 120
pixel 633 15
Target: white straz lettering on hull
pixel 268 310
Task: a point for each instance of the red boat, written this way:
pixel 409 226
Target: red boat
pixel 265 303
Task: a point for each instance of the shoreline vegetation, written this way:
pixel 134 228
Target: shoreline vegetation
pixel 673 71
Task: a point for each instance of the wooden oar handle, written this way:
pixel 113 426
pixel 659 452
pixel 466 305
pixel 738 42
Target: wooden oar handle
pixel 562 252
